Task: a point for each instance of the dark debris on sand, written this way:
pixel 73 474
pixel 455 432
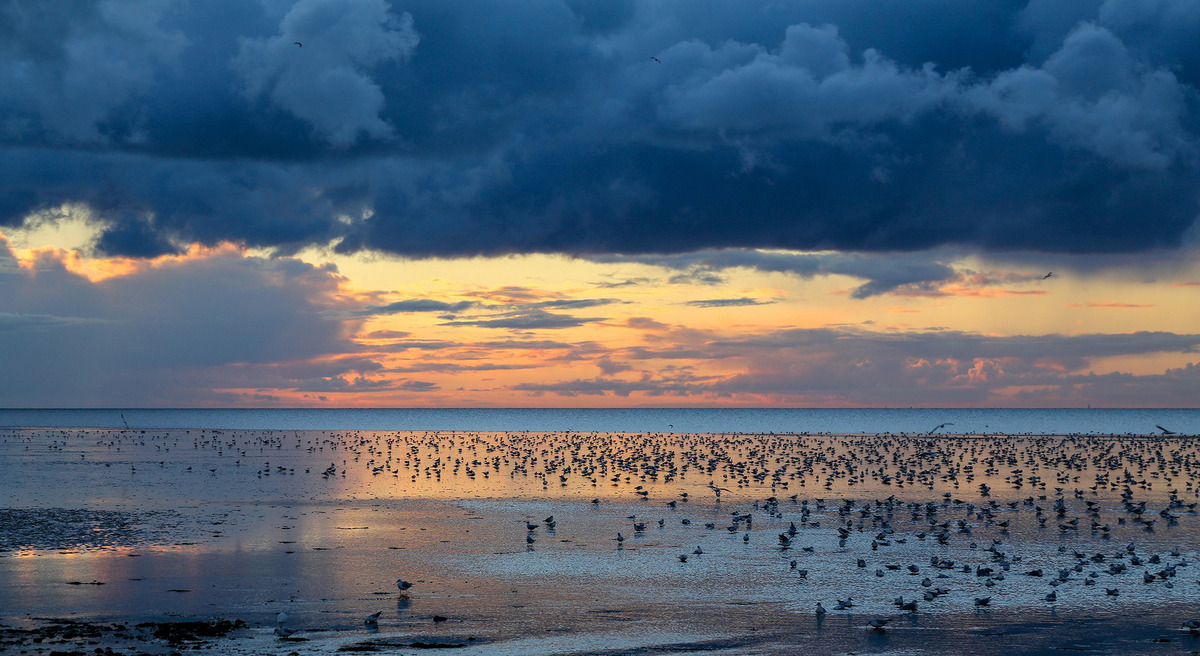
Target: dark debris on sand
pixel 67 637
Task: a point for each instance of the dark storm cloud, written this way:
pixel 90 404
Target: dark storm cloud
pixel 429 128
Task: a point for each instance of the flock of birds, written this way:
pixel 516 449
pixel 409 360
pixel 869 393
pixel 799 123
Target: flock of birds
pixel 993 502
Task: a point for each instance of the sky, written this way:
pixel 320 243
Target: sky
pixel 599 203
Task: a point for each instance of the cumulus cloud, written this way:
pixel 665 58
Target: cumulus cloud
pixel 67 69
pixel 328 83
pixel 808 88
pixel 1093 94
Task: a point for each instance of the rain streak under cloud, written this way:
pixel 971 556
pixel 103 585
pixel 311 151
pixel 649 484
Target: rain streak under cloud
pixel 599 203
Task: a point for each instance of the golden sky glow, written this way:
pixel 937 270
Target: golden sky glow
pixel 549 330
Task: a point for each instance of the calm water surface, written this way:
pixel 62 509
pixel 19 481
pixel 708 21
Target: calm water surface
pixel 687 420
pixel 151 524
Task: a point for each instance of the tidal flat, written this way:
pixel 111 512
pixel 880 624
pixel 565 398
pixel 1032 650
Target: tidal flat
pixel 264 542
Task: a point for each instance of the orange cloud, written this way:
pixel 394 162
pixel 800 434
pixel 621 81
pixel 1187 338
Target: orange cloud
pixel 1110 305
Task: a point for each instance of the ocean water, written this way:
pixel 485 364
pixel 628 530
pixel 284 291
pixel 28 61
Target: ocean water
pixel 625 420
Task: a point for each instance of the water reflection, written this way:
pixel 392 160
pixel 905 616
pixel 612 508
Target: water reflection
pixel 514 535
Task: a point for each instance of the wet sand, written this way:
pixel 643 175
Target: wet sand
pixel 107 528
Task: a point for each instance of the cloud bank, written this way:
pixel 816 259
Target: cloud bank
pixel 427 128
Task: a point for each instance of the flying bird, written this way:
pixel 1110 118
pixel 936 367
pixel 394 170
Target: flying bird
pixel 298 44
pixel 939 427
pixel 1048 275
pixel 656 59
pixel 1165 431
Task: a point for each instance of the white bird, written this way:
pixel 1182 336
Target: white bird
pixel 281 618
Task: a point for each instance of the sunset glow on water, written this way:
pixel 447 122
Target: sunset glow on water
pixel 511 535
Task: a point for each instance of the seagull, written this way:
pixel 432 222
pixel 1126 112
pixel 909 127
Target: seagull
pixel 298 44
pixel 656 59
pixel 403 585
pixel 373 618
pixel 281 618
pixel 939 427
pixel 1048 275
pixel 1165 431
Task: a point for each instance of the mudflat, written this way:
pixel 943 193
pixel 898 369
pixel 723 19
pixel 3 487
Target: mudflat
pixel 596 543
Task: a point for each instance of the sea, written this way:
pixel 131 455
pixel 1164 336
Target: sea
pixel 973 421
